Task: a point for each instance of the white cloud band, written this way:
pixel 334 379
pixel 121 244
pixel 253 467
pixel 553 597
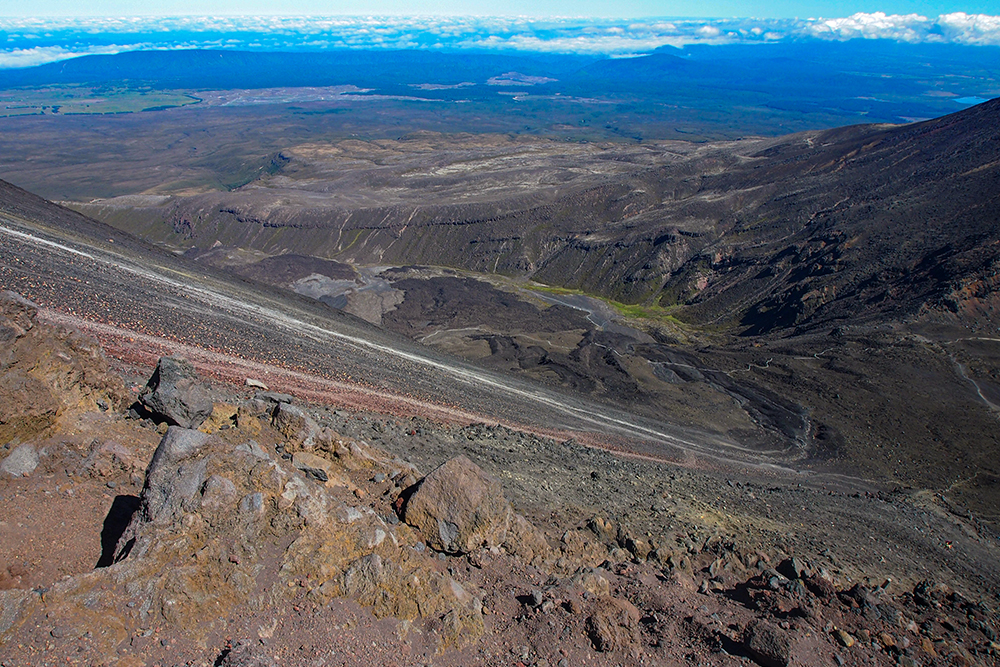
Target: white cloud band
pixel 32 41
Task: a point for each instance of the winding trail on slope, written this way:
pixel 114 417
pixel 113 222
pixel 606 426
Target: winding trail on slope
pixel 144 350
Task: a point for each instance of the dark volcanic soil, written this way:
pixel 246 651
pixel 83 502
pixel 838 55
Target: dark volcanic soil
pixel 911 406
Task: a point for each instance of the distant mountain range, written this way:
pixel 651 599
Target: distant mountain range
pixel 246 69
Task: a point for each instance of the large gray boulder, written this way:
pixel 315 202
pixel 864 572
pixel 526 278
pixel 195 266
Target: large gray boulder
pixel 175 484
pixel 175 395
pixel 458 508
pixel 175 475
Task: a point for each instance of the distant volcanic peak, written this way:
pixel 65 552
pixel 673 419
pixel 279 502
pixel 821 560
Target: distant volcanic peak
pixel 976 128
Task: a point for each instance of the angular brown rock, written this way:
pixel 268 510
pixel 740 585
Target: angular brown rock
pixel 612 624
pixel 768 644
pixel 525 540
pixel 458 508
pixel 293 423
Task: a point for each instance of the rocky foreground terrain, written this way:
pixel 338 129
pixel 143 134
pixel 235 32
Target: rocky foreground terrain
pixel 153 518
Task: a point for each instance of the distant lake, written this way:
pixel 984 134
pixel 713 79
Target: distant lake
pixel 970 100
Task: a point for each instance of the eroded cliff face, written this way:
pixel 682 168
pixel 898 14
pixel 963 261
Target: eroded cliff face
pixel 46 372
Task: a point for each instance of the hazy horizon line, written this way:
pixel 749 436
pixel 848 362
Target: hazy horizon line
pixel 38 40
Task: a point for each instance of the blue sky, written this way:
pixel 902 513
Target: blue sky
pixel 594 8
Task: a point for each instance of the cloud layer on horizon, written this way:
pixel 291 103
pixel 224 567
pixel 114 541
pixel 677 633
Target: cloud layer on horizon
pixel 25 42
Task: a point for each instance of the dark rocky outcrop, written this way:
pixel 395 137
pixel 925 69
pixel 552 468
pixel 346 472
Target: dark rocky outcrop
pixel 210 501
pixel 768 644
pixel 174 394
